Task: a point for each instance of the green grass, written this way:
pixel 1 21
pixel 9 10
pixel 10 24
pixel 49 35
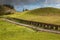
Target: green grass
pixel 45 11
pixel 9 31
pixel 46 15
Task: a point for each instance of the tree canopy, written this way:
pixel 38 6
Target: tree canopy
pixel 6 9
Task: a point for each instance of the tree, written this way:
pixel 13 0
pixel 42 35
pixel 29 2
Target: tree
pixel 6 9
pixel 10 6
pixel 25 9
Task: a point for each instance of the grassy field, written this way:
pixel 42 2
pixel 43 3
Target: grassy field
pixel 9 31
pixel 46 15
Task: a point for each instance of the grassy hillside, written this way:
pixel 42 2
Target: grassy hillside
pixel 45 11
pixel 46 15
pixel 9 31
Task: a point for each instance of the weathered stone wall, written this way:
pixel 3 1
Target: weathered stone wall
pixel 38 24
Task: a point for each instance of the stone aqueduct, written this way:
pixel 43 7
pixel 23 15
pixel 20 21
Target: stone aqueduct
pixel 39 24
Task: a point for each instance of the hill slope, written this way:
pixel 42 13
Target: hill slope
pixel 46 15
pixel 45 11
pixel 16 32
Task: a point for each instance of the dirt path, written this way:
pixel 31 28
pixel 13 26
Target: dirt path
pixel 33 27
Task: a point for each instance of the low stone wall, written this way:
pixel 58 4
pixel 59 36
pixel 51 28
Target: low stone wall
pixel 38 24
